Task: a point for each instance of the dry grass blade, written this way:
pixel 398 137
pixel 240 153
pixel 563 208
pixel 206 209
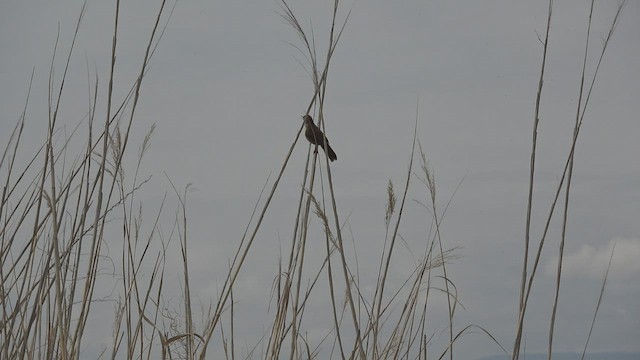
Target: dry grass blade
pixel 567 192
pixel 383 278
pixel 52 279
pixel 600 296
pixel 528 282
pixel 532 168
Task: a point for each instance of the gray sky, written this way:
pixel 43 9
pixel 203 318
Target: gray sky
pixel 226 93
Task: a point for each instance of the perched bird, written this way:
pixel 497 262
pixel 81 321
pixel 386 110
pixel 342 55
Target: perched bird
pixel 316 137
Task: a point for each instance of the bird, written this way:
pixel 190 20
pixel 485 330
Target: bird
pixel 316 137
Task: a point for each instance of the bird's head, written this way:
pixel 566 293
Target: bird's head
pixel 307 118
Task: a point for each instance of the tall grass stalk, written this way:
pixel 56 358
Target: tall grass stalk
pixel 527 282
pixel 49 280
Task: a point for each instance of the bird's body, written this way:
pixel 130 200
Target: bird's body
pixel 316 137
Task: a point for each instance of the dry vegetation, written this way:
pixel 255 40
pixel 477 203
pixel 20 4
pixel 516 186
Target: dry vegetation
pixel 57 205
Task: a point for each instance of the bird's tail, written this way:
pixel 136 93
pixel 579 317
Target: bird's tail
pixel 331 153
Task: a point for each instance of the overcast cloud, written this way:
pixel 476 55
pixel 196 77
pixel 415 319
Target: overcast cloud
pixel 226 93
